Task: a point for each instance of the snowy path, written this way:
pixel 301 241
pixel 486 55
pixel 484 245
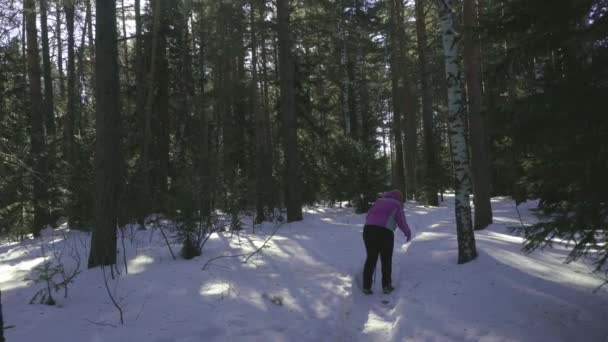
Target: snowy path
pixel 304 287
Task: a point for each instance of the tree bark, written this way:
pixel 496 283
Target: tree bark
pixel 49 106
pixel 59 48
pixel 459 150
pixel 409 106
pixel 263 164
pixel 108 156
pixel 479 153
pixel 288 114
pixel 125 45
pixel 69 123
pixel 430 156
pixel 142 115
pixel 36 120
pixel 1 320
pixel 147 193
pixel 396 67
pixel 205 165
pixel 89 25
pixel 162 123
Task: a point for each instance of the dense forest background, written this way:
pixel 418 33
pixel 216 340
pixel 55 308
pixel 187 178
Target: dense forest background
pixel 113 110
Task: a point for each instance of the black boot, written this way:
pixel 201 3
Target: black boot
pixel 388 289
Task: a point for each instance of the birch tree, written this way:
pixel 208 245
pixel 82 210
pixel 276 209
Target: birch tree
pixel 456 126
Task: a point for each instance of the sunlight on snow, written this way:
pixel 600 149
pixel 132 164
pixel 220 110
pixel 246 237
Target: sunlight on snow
pixel 541 269
pixel 429 236
pixel 375 324
pixel 138 264
pixel 505 237
pixel 11 276
pixel 214 289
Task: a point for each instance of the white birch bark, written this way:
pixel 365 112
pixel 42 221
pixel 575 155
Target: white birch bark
pixel 462 173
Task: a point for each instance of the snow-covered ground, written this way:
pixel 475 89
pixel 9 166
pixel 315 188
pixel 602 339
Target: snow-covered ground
pixel 301 287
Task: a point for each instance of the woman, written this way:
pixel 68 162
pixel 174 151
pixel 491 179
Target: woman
pixel 378 234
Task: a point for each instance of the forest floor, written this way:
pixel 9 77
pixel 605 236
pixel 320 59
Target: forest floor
pixel 304 286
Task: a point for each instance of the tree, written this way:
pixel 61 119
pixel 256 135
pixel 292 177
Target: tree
pixel 1 320
pixel 69 129
pixel 58 8
pixel 37 136
pixel 554 117
pixel 430 155
pixel 263 152
pixel 49 107
pixel 289 125
pixel 479 150
pixel 396 67
pixel 460 156
pixel 108 153
pixel 204 163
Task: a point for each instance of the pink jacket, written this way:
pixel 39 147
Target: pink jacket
pixel 387 212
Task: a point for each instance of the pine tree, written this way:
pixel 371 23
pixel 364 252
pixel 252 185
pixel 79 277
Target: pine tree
pixel 289 124
pixel 396 63
pixel 70 153
pixel 430 155
pixel 479 149
pixel 108 152
pixel 1 320
pixel 36 116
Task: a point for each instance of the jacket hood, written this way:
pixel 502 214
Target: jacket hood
pixel 396 194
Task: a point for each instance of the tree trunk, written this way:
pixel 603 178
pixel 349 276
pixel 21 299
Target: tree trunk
pixel 125 45
pixel 205 165
pixel 1 320
pixel 89 25
pixel 147 194
pixel 479 153
pixel 36 120
pixel 59 48
pixel 462 178
pixel 288 114
pixel 69 123
pixel 396 67
pixel 268 142
pixel 263 164
pixel 409 106
pixel 431 174
pixel 108 156
pixel 143 119
pixel 160 109
pixel 80 86
pixel 49 106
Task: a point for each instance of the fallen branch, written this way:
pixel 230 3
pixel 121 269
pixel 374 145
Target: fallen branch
pixel 248 255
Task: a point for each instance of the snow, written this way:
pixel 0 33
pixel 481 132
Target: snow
pixel 303 286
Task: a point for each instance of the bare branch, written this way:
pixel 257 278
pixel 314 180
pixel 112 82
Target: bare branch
pixel 105 280
pixel 247 255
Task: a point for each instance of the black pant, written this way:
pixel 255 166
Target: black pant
pixel 378 240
